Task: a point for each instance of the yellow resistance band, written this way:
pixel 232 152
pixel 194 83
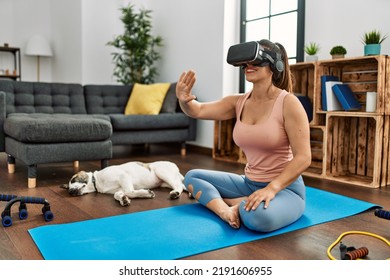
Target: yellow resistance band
pixel 353 232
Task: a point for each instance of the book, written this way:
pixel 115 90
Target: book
pixel 346 97
pixel 307 105
pixel 324 79
pixel 332 103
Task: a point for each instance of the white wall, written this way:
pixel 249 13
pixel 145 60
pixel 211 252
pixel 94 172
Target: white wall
pixel 335 22
pixel 66 38
pixel 20 20
pixel 100 22
pixel 193 33
pixel 6 32
pixel 196 36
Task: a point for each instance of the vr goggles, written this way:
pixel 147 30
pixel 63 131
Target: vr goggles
pixel 255 54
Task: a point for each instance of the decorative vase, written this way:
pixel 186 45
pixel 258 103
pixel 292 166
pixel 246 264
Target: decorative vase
pixel 372 49
pixel 311 58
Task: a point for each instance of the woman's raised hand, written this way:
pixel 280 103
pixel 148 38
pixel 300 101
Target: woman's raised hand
pixel 184 87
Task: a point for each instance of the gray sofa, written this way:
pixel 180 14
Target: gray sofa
pixel 63 122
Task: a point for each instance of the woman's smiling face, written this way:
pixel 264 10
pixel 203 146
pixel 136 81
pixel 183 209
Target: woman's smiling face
pixel 254 73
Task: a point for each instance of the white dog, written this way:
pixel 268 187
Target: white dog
pixel 129 180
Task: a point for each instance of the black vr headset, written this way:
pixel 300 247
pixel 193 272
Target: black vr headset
pixel 255 54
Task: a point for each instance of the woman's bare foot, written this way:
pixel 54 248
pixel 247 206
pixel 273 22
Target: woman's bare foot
pixel 231 216
pixel 227 213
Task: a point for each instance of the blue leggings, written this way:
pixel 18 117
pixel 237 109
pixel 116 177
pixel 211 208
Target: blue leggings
pixel 287 206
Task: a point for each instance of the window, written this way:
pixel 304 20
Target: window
pixel 277 20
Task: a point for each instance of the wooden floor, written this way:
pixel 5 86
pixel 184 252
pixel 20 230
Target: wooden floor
pixel 306 244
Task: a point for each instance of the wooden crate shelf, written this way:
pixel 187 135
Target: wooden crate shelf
pixel 362 74
pixel 317 166
pixel 304 83
pixel 354 147
pixel 351 147
pixel 385 172
pixel 224 147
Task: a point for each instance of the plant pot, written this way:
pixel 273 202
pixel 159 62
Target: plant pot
pixel 336 56
pixel 372 49
pixel 311 58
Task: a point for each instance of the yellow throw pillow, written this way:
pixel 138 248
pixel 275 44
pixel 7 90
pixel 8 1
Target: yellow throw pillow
pixel 146 99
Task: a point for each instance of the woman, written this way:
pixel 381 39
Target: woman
pixel 273 131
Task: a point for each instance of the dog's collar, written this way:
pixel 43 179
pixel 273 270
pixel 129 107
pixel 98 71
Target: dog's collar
pixel 94 182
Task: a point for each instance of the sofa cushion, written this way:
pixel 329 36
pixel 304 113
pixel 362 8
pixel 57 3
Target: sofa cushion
pixel 112 99
pixel 170 102
pixel 145 122
pixel 32 97
pixel 106 99
pixel 37 153
pixel 146 99
pixel 54 128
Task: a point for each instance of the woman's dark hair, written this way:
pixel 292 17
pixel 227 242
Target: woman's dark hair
pixel 284 79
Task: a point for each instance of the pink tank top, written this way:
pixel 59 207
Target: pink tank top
pixel 266 145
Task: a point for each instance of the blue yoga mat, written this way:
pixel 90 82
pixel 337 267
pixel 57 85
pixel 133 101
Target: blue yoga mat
pixel 174 232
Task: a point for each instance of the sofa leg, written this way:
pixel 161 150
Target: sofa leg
pixel 32 183
pixel 104 163
pixel 76 164
pixel 32 176
pixel 183 150
pixel 11 164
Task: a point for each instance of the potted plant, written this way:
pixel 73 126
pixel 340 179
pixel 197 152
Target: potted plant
pixel 338 52
pixel 311 50
pixel 136 55
pixel 372 41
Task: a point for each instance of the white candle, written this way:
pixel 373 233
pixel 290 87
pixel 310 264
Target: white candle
pixel 371 101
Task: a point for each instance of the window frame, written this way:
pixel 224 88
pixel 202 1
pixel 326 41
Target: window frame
pixel 300 33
